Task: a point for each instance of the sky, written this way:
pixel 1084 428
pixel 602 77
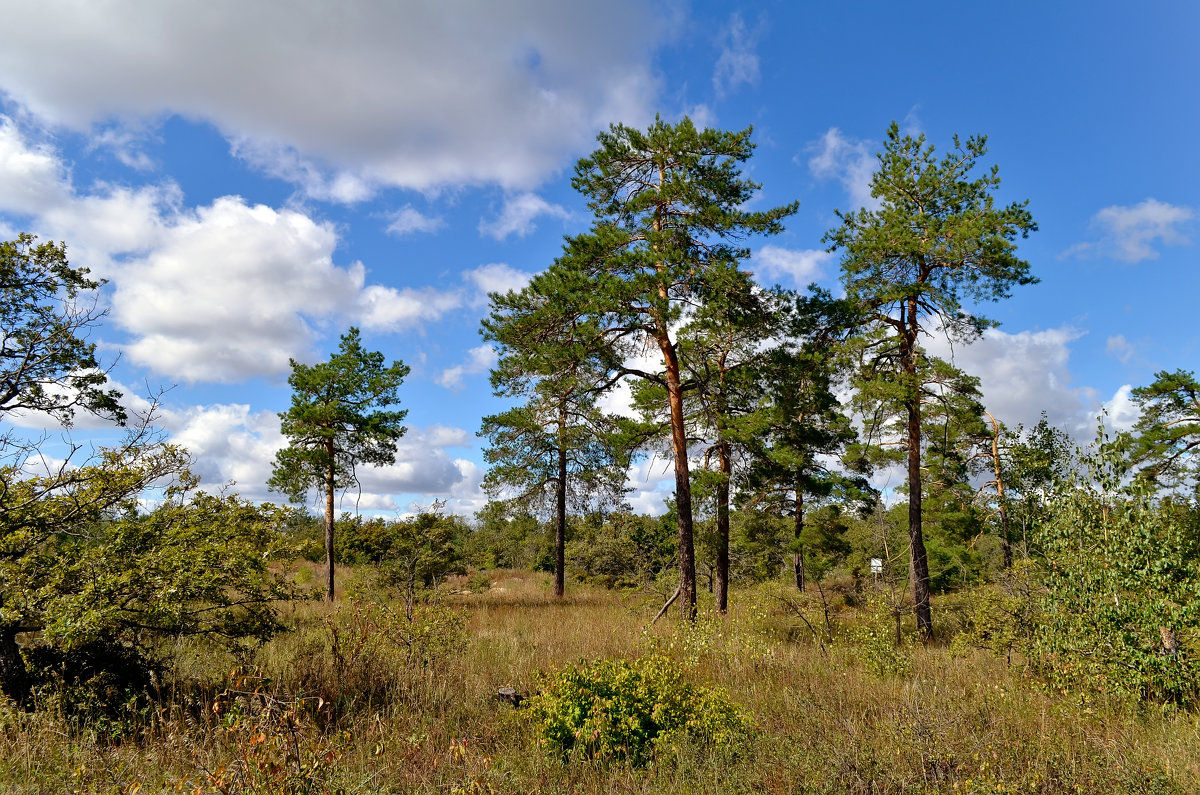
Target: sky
pixel 253 177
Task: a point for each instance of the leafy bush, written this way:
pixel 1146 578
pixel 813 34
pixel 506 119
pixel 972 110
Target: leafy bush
pixel 877 641
pixel 102 688
pixel 1121 614
pixel 626 710
pixel 1003 618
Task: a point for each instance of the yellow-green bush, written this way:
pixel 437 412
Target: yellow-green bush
pixel 624 710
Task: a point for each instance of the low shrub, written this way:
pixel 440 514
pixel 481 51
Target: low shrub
pixel 627 709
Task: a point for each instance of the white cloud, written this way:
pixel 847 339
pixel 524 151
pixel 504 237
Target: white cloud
pixel 802 267
pixel 198 306
pixel 496 277
pixel 1121 413
pixel 229 444
pixel 479 360
pixel 518 216
pixel 422 466
pixel 409 220
pixel 341 97
pixel 1023 374
pixel 233 444
pixel 205 310
pixel 850 161
pixel 1119 348
pixel 738 62
pixel 651 482
pixel 392 309
pixel 34 180
pixel 1130 233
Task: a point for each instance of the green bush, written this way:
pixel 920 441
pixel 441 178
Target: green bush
pixel 626 710
pixel 876 640
pixel 1121 613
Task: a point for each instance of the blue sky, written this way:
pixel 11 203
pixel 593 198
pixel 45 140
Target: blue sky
pixel 254 178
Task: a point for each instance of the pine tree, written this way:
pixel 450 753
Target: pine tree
pixel 669 221
pixel 936 241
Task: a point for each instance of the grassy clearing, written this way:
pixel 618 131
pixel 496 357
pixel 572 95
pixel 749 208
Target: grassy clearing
pixel 360 700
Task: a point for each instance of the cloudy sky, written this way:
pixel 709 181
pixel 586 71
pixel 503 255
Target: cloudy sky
pixel 254 177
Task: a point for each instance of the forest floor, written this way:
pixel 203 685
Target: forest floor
pixel 361 698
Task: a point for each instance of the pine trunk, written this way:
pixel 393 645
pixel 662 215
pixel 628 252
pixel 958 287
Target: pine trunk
pixel 329 488
pixel 798 561
pixel 560 527
pixel 918 561
pixel 721 575
pixel 683 485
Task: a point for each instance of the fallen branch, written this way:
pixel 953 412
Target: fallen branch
pixel 666 607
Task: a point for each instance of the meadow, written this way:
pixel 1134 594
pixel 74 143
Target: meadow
pixel 359 697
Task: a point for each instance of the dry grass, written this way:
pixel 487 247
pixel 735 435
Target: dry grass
pixel 826 723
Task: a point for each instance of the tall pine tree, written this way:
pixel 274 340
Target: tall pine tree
pixel 937 239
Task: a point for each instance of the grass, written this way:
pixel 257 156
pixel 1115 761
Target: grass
pixel 344 704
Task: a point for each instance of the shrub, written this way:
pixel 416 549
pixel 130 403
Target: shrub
pixel 625 710
pixel 1121 614
pixel 877 640
pixel 102 688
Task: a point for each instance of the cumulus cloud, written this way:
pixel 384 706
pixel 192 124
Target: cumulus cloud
pixel 392 309
pixel 848 160
pixel 1120 411
pixel 802 267
pixel 204 310
pixel 1130 234
pixel 409 220
pixel 519 215
pixel 496 277
pixel 34 180
pixel 341 97
pixel 197 306
pixel 231 443
pixel 1024 374
pixel 738 62
pixel 479 360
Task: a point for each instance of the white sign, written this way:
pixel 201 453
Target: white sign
pixel 877 565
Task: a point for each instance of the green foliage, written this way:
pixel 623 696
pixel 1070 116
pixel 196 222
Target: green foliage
pixel 421 552
pixel 102 688
pixel 670 218
pixel 630 710
pixel 1121 612
pixel 196 565
pixel 1166 440
pixel 46 363
pixel 87 571
pixel 1003 617
pixel 503 539
pixel 621 550
pixel 936 241
pixel 338 418
pixel 877 641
